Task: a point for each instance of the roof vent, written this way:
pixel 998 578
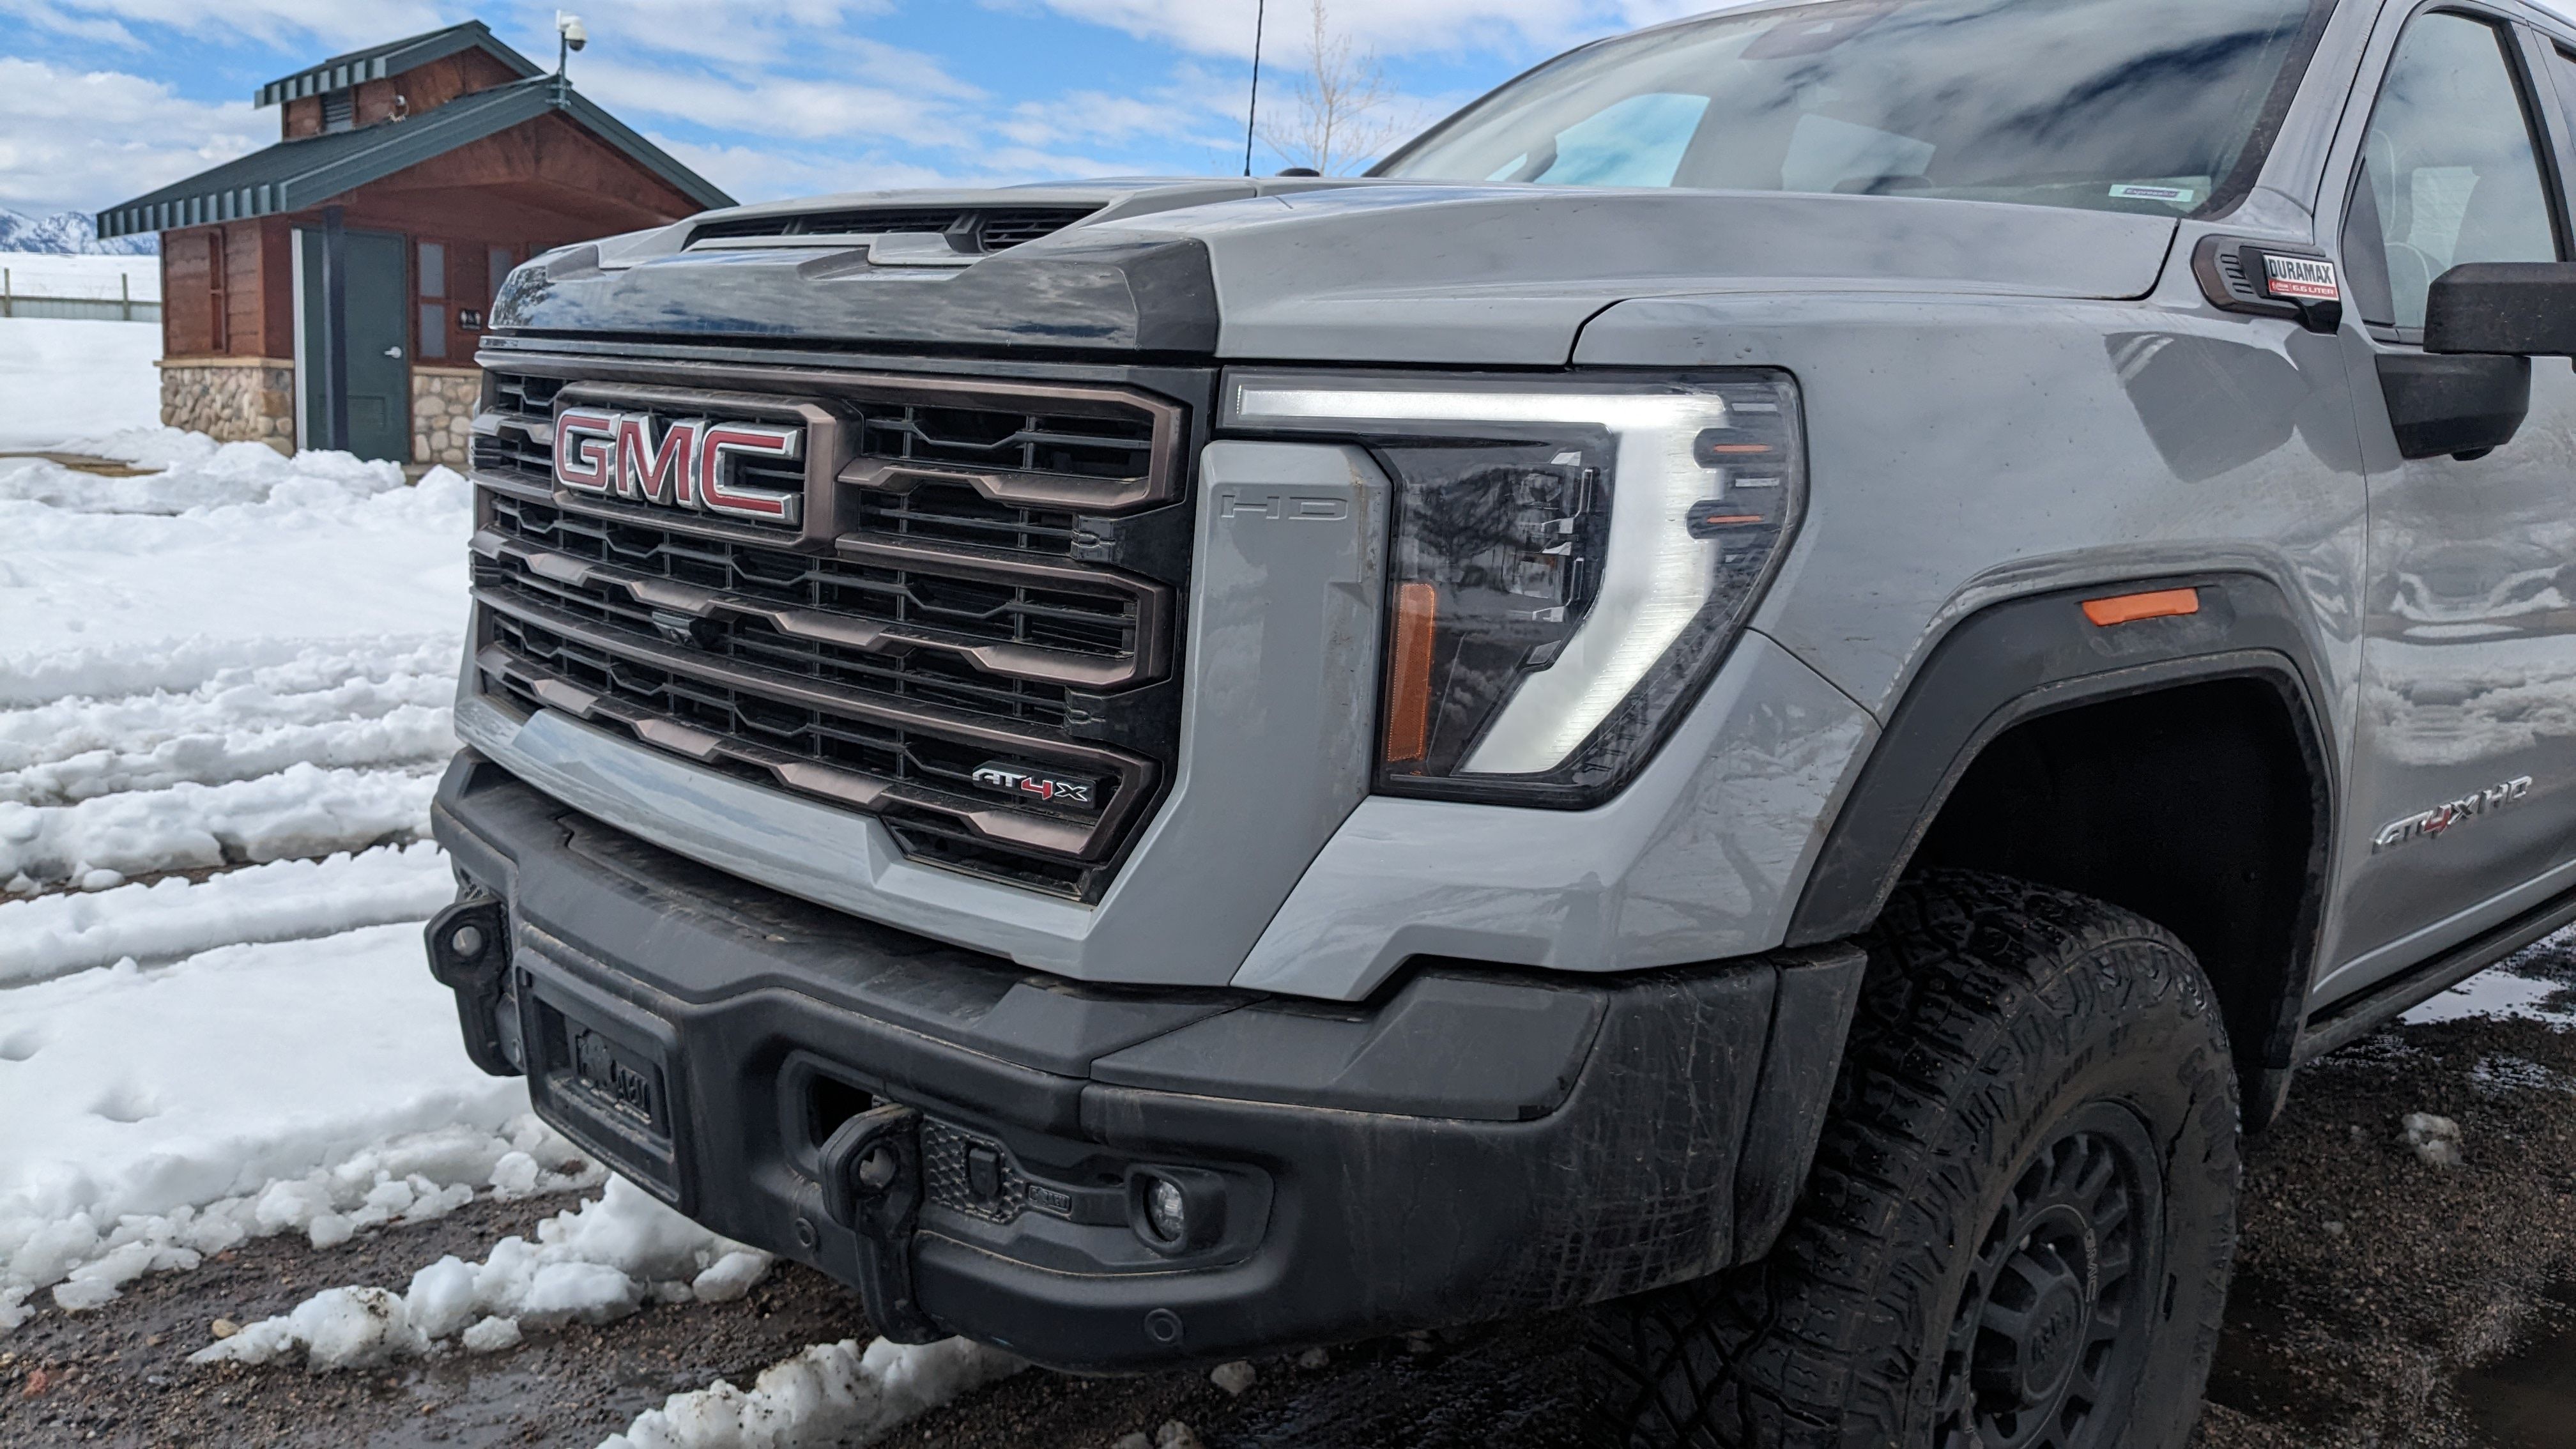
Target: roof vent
pixel 340 111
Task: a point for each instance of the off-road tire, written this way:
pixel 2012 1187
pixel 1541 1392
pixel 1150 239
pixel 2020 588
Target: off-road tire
pixel 1998 1018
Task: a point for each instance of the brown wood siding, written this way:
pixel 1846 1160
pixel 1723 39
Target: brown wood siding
pixel 186 293
pixel 544 179
pixel 427 87
pixel 245 311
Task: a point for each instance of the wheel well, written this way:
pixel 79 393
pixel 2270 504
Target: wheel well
pixel 2198 806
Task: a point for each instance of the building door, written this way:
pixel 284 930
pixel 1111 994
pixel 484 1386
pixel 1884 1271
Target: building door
pixel 2466 766
pixel 378 291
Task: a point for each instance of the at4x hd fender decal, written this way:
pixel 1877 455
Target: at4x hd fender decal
pixel 2430 824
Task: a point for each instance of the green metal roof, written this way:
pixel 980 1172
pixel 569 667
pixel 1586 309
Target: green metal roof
pixel 392 58
pixel 302 173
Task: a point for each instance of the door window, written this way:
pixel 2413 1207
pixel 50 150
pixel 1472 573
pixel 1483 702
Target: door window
pixel 2449 172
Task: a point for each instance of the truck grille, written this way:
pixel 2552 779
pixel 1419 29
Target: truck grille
pixel 954 635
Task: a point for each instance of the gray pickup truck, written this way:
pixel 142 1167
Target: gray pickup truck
pixel 1768 687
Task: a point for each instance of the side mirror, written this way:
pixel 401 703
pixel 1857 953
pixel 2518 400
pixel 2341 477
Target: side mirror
pixel 2467 394
pixel 2503 309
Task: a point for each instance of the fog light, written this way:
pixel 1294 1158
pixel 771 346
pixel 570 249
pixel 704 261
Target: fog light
pixel 1176 1210
pixel 1167 1212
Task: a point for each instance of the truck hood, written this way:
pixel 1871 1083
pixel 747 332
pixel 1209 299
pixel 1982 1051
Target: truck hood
pixel 1301 270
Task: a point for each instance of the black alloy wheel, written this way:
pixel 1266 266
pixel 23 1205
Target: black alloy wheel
pixel 2048 1333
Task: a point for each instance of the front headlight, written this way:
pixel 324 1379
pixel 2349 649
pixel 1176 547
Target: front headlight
pixel 1571 558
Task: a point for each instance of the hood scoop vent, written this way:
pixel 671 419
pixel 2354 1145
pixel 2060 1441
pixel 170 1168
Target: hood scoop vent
pixel 973 230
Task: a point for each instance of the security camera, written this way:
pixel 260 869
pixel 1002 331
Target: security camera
pixel 575 34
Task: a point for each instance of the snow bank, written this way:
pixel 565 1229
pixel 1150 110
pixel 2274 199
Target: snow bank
pixel 832 1393
pixel 379 703
pixel 134 1095
pixel 62 379
pixel 102 604
pixel 301 810
pixel 285 900
pixel 410 1179
pixel 595 1264
pixel 196 472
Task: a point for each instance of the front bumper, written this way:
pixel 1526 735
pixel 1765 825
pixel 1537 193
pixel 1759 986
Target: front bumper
pixel 1469 1145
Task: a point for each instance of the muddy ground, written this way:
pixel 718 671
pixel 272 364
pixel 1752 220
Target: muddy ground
pixel 2380 1301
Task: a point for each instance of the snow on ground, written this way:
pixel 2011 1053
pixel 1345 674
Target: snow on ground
pixel 338 708
pixel 63 378
pixel 284 900
pixel 302 810
pixel 270 557
pixel 832 1393
pixel 598 1263
pixel 240 658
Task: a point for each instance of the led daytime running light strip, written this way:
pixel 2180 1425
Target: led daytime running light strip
pixel 1656 578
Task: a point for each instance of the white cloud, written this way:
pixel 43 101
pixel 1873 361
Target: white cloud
pixel 268 20
pixel 90 140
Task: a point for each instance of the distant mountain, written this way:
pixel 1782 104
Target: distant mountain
pixel 67 233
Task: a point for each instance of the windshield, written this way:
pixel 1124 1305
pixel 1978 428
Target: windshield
pixel 2158 106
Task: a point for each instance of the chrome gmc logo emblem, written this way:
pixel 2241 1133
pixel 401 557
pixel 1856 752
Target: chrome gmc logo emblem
pixel 691 465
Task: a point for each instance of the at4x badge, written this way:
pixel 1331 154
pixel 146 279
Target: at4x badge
pixel 2430 824
pixel 1052 789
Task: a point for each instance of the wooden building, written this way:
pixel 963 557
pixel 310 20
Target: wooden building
pixel 327 291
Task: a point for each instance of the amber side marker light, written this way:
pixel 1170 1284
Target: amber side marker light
pixel 1408 695
pixel 2130 608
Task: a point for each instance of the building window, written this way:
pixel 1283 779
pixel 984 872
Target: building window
pixel 218 299
pixel 498 259
pixel 433 330
pixel 340 111
pixel 433 269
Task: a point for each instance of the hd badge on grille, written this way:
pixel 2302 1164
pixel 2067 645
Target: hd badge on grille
pixel 1071 790
pixel 693 463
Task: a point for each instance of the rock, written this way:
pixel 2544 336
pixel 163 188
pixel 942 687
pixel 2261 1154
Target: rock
pixel 2334 1230
pixel 1136 1440
pixel 226 1328
pixel 2436 1140
pixel 1233 1377
pixel 491 1335
pixel 1314 1358
pixel 1176 1435
pixel 1419 1342
pixel 43 1379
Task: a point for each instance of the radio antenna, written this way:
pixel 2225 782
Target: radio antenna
pixel 1252 113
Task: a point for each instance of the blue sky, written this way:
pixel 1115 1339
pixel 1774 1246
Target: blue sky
pixel 101 100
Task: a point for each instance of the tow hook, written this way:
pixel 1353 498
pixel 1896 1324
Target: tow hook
pixel 469 953
pixel 872 1186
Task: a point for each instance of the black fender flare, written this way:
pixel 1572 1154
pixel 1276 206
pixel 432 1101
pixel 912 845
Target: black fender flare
pixel 2024 657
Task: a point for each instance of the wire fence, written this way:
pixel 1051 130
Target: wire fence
pixel 123 307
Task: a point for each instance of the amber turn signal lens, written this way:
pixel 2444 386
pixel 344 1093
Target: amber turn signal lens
pixel 2130 608
pixel 1408 695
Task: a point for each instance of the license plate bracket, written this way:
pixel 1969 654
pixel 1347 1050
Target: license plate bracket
pixel 602 1071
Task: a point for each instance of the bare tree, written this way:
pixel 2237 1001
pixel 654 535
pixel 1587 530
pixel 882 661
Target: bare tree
pixel 1336 119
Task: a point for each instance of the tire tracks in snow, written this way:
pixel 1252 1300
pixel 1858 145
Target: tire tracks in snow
pixel 286 900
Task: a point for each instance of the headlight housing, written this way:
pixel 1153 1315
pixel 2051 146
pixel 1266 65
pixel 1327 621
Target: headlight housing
pixel 1571 556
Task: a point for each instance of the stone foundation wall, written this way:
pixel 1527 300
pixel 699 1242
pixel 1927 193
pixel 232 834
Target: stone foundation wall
pixel 442 414
pixel 231 399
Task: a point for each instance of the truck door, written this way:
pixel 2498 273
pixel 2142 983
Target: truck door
pixel 2465 766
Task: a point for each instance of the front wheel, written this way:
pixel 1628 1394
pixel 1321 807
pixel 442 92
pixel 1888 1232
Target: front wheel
pixel 2018 1230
